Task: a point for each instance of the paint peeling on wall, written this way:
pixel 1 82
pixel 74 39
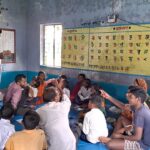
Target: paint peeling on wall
pixel 15 18
pixel 73 13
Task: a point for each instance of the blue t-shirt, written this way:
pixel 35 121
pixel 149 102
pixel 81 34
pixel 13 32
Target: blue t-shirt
pixel 142 120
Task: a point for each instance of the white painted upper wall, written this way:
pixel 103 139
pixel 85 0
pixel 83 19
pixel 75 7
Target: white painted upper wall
pixel 15 18
pixel 73 13
pixel 26 16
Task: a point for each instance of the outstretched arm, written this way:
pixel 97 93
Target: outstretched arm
pixel 112 100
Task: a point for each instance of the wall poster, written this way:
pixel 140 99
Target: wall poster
pixel 120 49
pixel 8 45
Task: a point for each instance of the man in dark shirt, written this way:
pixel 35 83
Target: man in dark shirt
pixel 140 140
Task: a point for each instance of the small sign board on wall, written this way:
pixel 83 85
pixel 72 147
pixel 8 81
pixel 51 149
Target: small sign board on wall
pixel 7 45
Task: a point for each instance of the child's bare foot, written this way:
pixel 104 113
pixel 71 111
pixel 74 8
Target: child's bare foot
pixel 104 139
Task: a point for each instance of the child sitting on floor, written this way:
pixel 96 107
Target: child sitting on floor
pixel 43 84
pixel 95 91
pixel 140 138
pixel 7 129
pixel 30 138
pixel 94 124
pixel 84 93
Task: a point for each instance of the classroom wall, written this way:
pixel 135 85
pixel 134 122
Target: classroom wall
pixel 73 13
pixel 15 18
pixel 26 17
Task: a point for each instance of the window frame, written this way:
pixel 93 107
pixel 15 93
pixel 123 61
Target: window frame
pixel 42 45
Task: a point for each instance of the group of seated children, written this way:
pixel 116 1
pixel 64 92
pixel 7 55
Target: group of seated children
pixel 24 97
pixel 131 131
pixel 30 138
pixel 52 118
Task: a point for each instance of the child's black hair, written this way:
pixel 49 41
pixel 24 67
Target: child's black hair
pixel 41 72
pixel 63 77
pixel 138 92
pixel 97 100
pixel 31 120
pixel 7 111
pixel 96 88
pixel 88 82
pixel 82 75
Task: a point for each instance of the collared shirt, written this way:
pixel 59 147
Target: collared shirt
pixel 6 130
pixel 94 125
pixel 84 93
pixel 27 140
pixel 54 121
pixel 13 94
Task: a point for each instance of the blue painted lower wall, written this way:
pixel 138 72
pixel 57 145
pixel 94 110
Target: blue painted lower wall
pixel 115 90
pixel 8 77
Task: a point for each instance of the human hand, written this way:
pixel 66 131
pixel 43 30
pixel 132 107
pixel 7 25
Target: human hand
pixel 54 82
pixel 128 127
pixel 104 94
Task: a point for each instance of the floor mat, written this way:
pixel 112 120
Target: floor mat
pixel 89 146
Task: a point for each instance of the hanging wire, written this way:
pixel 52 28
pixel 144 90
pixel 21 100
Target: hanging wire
pixel 132 23
pixel 89 23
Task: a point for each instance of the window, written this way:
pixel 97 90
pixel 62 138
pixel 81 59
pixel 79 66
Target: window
pixel 50 46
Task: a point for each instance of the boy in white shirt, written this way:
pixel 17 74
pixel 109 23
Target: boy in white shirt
pixel 6 128
pixel 84 93
pixel 94 124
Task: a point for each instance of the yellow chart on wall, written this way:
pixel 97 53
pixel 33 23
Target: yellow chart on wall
pixel 75 48
pixel 121 49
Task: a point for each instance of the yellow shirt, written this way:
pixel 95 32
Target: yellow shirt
pixel 27 140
